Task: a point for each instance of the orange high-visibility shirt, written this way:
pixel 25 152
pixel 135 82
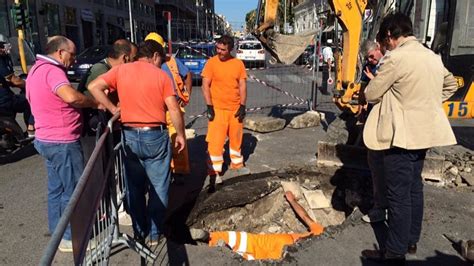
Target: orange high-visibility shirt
pixel 224 76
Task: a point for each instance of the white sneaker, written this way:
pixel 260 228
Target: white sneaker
pixel 124 219
pixel 65 245
pixel 375 215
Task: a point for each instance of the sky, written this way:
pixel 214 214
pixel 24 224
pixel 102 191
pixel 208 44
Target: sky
pixel 235 10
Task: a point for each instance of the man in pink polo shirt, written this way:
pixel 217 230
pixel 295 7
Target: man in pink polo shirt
pixel 56 105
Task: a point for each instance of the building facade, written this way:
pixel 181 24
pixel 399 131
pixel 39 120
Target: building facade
pixel 190 19
pixel 308 15
pixel 86 22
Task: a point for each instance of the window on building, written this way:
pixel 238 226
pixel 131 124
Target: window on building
pixel 119 4
pixel 4 23
pixel 70 16
pixel 51 20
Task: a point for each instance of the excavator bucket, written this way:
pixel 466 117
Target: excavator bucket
pixel 286 48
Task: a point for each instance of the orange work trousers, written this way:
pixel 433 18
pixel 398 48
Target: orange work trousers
pixel 179 161
pixel 224 125
pixel 260 246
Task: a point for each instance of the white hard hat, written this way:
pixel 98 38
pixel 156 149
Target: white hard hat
pixel 329 41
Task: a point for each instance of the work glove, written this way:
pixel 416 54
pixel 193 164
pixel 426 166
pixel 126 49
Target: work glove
pixel 240 113
pixel 210 112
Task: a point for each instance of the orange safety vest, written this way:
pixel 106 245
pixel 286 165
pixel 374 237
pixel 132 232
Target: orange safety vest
pixel 260 246
pixel 180 90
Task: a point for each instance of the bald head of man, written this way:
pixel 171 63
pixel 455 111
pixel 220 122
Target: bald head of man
pixel 62 50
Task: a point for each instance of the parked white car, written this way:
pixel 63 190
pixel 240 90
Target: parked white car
pixel 251 52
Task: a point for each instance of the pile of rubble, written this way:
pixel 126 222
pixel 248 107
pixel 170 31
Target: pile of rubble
pixel 458 169
pixel 258 205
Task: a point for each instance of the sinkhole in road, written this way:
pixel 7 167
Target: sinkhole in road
pixel 256 203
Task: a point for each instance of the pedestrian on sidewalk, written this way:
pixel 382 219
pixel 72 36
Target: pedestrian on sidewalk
pixel 56 106
pixel 224 87
pixel 145 93
pixel 406 120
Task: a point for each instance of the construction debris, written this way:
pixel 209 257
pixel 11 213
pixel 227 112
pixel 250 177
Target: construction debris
pixel 457 167
pixel 264 124
pixel 308 119
pixel 316 199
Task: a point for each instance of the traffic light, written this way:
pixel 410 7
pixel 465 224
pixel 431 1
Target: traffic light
pixel 18 15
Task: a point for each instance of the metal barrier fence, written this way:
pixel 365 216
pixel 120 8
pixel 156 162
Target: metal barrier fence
pixel 269 87
pixel 93 208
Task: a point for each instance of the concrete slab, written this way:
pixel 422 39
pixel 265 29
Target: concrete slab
pixel 264 124
pixel 295 79
pixel 316 199
pixel 468 178
pixel 348 156
pixel 308 119
pixel 273 78
pixel 294 187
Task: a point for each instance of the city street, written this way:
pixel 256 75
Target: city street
pixel 347 108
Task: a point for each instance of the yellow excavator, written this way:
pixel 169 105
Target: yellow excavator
pixel 447 24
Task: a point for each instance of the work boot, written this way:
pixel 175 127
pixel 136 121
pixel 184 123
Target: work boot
pixel 219 179
pixel 387 257
pixel 375 215
pixel 199 234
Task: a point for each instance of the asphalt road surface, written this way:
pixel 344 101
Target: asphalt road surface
pixel 23 221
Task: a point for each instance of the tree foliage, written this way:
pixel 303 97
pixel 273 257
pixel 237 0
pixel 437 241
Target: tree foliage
pixel 250 19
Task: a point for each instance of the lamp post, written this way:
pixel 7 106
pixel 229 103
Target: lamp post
pixel 284 22
pixel 130 17
pixel 212 23
pixel 198 5
pixel 206 35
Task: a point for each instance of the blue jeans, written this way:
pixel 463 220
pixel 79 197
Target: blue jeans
pixel 65 164
pixel 147 169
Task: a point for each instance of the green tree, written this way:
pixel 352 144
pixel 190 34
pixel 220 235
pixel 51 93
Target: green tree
pixel 250 20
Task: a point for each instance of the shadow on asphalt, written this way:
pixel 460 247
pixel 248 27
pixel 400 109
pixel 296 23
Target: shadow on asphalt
pixel 20 154
pixel 184 195
pixel 440 259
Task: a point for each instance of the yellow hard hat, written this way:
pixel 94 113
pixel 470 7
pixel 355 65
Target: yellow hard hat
pixel 155 37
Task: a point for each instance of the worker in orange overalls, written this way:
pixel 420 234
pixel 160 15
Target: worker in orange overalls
pixel 177 72
pixel 225 92
pixel 261 246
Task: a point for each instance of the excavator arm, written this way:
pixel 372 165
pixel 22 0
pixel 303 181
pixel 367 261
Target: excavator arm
pixel 349 14
pixel 284 48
